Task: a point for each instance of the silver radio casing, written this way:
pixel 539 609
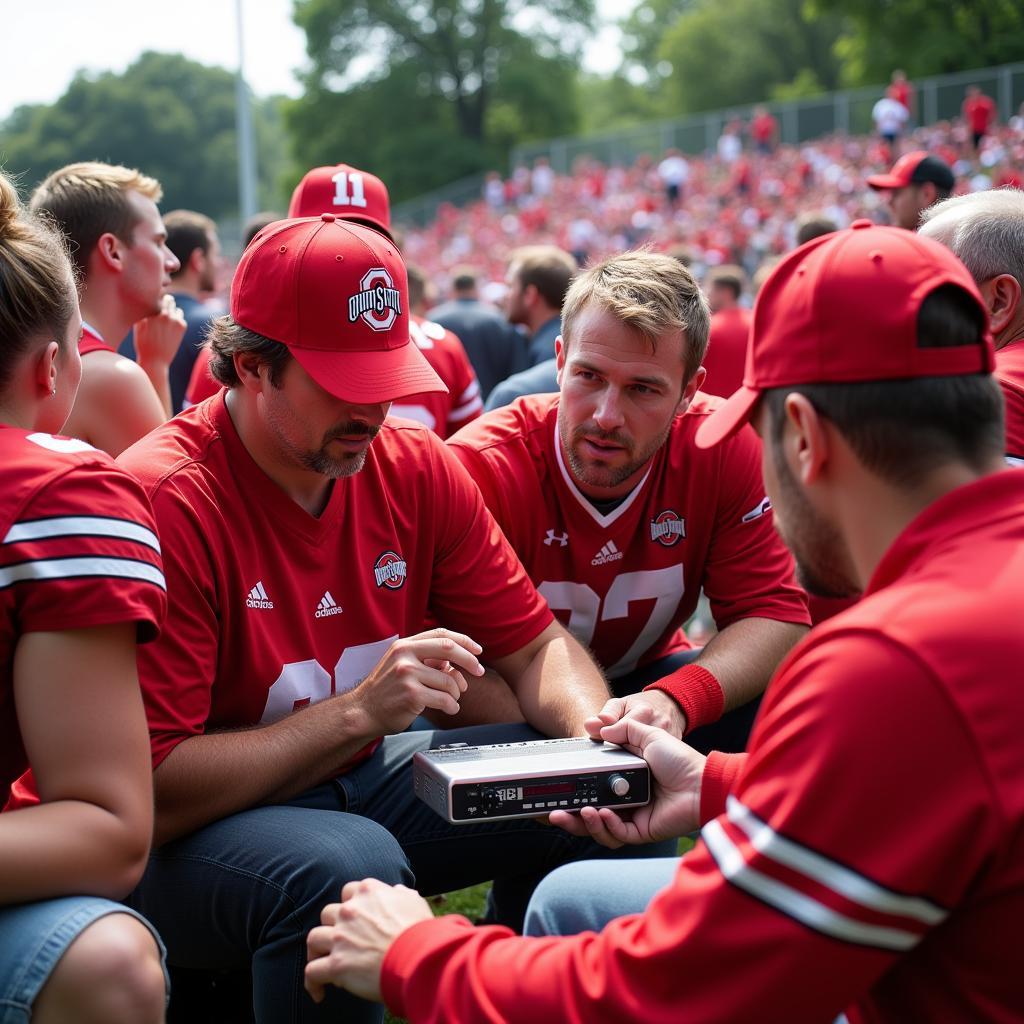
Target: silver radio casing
pixel 465 784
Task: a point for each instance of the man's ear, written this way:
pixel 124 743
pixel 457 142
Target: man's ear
pixel 109 251
pixel 251 370
pixel 196 260
pixel 1002 296
pixel 559 357
pixel 805 439
pixel 693 385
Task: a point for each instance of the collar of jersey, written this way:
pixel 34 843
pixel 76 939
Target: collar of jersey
pixel 601 520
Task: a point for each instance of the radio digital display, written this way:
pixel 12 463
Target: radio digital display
pixel 548 789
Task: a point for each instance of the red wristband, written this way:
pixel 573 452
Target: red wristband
pixel 696 691
pixel 717 782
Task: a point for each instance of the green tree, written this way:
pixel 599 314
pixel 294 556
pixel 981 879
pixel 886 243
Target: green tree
pixel 454 85
pixel 926 38
pixel 725 55
pixel 171 117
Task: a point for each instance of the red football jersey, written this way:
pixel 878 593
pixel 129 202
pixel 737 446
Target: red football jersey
pixel 727 351
pixel 90 341
pixel 1010 374
pixel 271 609
pixel 443 413
pixel 200 384
pixel 870 860
pixel 624 583
pixel 79 550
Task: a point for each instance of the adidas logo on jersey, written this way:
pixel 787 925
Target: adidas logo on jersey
pixel 608 553
pixel 258 597
pixel 327 606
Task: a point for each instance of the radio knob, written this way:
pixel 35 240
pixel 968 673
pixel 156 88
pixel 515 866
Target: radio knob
pixel 619 785
pixel 490 799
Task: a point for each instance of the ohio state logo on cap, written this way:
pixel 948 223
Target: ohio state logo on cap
pixel 390 570
pixel 379 302
pixel 667 527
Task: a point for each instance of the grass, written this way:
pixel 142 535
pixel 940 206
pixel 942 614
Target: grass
pixel 470 903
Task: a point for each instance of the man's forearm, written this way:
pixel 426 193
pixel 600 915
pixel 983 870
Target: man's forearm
pixel 560 686
pixel 210 776
pixel 743 656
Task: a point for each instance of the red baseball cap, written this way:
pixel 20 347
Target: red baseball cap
pixel 842 309
pixel 336 294
pixel 913 169
pixel 345 191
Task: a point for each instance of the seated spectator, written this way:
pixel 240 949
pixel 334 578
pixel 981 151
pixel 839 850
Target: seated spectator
pixel 730 327
pixel 916 181
pixel 80 583
pixel 986 231
pixel 119 246
pixel 193 239
pixel 494 347
pixel 304 540
pixel 832 879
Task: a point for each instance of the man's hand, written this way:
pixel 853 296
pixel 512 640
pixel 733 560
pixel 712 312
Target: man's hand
pixel 652 707
pixel 158 336
pixel 418 672
pixel 674 809
pixel 348 948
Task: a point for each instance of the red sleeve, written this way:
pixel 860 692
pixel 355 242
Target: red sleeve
pixel 84 552
pixel 749 572
pixel 177 672
pixel 782 888
pixel 720 774
pixel 464 389
pixel 479 586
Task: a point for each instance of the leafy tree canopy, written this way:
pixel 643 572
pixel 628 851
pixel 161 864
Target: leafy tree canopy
pixel 171 117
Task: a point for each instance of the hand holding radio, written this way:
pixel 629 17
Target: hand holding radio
pixel 674 809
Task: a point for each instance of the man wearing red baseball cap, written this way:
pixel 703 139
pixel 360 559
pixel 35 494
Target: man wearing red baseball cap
pixel 361 197
pixel 916 181
pixel 865 860
pixel 305 539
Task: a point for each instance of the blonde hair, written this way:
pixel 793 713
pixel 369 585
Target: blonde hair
pixel 650 292
pixel 37 285
pixel 86 200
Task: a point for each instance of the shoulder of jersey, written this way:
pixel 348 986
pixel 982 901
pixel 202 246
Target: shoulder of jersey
pixel 521 421
pixel 49 450
pixel 182 441
pixel 433 330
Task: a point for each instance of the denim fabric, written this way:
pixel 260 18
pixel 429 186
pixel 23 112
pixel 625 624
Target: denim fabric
pixel 33 938
pixel 585 897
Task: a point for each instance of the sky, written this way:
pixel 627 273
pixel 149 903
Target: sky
pixel 61 36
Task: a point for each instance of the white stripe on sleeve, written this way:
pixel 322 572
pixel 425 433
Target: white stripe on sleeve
pixel 82 526
pixel 69 568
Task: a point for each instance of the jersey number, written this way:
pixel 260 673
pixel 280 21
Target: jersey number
pixel 663 586
pixel 307 682
pixel 342 180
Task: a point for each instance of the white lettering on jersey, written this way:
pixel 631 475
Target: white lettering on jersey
pixel 302 683
pixel 390 570
pixel 665 586
pixel 327 606
pixel 62 445
pixel 608 553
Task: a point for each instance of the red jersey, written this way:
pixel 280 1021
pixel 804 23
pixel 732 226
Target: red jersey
pixel 90 341
pixel 200 384
pixel 271 608
pixel 979 111
pixel 763 128
pixel 727 351
pixel 870 860
pixel 443 413
pixel 1010 374
pixel 625 582
pixel 79 550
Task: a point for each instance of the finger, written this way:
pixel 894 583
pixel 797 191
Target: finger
pixel 568 822
pixel 460 638
pixel 319 941
pixel 438 700
pixel 597 828
pixel 444 681
pixel 318 977
pixel 442 648
pixel 329 915
pixel 631 734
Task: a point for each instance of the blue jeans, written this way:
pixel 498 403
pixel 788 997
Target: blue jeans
pixel 33 938
pixel 249 888
pixel 585 897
